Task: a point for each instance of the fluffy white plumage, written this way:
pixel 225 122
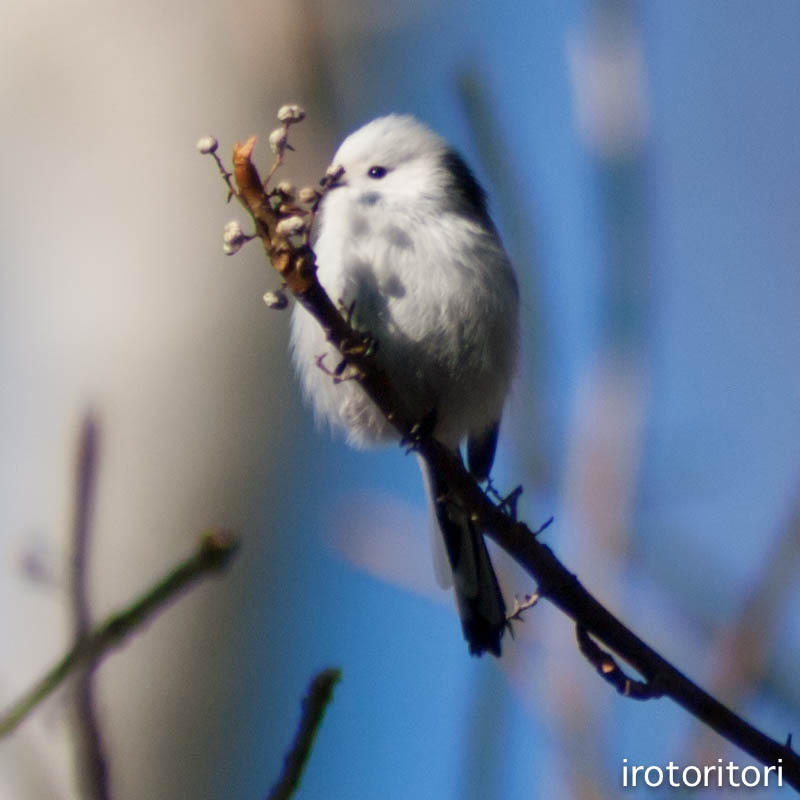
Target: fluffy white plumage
pixel 404 235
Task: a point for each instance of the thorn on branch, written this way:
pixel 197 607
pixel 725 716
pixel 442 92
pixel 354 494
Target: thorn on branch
pixel 515 615
pixel 507 504
pixel 609 670
pixel 544 526
pixel 343 371
pixel 360 344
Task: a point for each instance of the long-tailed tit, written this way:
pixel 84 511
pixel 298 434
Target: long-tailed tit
pixel 405 238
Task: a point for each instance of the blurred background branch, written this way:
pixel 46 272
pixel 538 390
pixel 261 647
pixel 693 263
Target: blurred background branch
pixel 741 653
pixel 92 768
pixel 212 555
pixel 318 696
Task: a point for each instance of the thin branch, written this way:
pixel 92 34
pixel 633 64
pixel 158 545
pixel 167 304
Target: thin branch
pixel 90 752
pixel 320 692
pixel 558 585
pixel 85 478
pixel 213 554
pixel 297 267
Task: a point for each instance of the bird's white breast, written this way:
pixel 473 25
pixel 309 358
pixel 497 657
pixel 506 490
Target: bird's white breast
pixel 437 293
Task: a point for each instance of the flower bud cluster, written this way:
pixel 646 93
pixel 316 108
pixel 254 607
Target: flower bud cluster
pixel 289 114
pixel 233 237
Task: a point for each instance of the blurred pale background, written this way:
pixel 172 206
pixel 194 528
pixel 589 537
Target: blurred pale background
pixel 642 161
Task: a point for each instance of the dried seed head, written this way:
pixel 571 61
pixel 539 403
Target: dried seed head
pixel 207 145
pixel 291 113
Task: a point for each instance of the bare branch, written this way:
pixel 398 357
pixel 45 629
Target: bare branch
pixel 296 265
pixel 320 692
pixel 90 752
pixel 213 554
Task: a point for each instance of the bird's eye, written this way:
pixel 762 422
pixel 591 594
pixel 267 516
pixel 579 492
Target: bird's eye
pixel 377 172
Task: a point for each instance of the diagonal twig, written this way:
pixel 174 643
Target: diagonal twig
pixel 555 582
pixel 320 692
pixel 212 555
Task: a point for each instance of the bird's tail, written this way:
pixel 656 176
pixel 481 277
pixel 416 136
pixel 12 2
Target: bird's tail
pixel 478 597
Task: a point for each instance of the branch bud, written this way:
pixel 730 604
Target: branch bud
pixel 207 145
pixel 332 174
pixel 287 189
pixel 277 299
pixel 291 226
pixel 233 237
pixel 308 195
pixel 291 113
pixel 278 141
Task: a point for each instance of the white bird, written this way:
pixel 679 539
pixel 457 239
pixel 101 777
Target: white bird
pixel 404 237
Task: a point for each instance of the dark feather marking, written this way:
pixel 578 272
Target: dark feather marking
pixel 480 452
pixel 469 194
